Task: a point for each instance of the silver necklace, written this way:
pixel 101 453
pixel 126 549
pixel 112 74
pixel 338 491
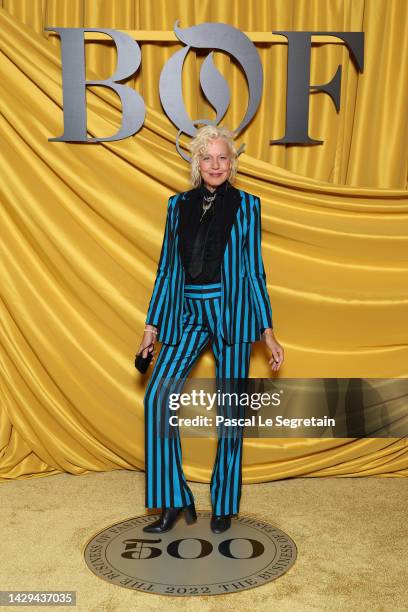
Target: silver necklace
pixel 207 202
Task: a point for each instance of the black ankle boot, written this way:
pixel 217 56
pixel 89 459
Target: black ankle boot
pixel 169 516
pixel 220 523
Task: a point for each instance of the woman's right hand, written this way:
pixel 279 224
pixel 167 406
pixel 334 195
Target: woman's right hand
pixel 147 344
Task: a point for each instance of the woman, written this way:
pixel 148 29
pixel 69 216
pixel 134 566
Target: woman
pixel 210 285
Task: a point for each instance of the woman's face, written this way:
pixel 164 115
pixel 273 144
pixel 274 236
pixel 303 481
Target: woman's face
pixel 215 163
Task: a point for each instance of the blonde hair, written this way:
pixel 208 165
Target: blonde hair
pixel 198 145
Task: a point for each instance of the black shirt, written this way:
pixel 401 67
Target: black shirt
pixel 214 242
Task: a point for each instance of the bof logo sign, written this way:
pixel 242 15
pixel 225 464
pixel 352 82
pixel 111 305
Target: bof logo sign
pixel 190 560
pixel 214 36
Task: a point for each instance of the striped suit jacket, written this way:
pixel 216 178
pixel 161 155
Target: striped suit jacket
pixel 245 306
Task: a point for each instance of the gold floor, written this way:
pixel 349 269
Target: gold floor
pixel 351 534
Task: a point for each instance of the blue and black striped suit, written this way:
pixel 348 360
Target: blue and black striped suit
pixel 232 314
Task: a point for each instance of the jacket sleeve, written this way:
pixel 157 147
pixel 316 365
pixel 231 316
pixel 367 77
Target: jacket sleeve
pixel 155 310
pixel 256 269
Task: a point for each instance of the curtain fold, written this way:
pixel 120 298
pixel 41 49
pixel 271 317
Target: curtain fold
pixel 82 227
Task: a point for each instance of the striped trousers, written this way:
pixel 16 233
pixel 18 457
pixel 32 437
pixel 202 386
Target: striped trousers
pixel 166 485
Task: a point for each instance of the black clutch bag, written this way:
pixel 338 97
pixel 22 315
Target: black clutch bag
pixel 142 363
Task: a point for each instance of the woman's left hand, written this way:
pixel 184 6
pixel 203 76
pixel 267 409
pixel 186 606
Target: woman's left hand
pixel 273 345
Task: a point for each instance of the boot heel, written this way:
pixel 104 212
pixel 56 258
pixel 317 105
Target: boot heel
pixel 190 514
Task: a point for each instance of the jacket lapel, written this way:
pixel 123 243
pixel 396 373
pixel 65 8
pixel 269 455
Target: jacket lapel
pixel 230 217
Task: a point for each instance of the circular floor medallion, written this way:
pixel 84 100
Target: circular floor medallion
pixel 190 560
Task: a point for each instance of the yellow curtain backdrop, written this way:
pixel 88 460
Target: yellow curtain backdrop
pixel 82 227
